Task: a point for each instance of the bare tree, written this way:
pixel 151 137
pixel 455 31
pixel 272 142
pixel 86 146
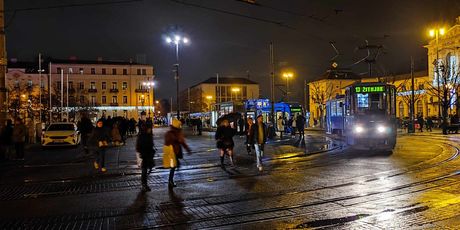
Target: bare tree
pixel 404 91
pixel 445 86
pixel 320 93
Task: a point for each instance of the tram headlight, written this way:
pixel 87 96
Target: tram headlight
pixel 381 129
pixel 359 129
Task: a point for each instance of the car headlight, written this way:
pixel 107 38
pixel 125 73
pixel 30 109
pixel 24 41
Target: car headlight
pixel 381 129
pixel 359 129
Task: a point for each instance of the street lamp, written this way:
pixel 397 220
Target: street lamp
pixel 236 90
pixel 287 75
pixel 434 33
pixel 176 40
pixel 149 85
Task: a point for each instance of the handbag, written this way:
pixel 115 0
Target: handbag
pixel 169 157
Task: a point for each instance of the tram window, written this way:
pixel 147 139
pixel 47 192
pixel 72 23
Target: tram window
pixel 375 101
pixel 363 100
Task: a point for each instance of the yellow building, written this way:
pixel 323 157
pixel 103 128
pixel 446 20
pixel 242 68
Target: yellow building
pixel 201 96
pixel 102 88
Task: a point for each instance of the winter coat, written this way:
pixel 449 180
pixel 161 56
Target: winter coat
pixel 254 134
pixel 224 136
pixel 7 135
pixel 115 134
pixel 99 134
pixel 145 146
pixel 19 133
pixel 85 126
pixel 176 138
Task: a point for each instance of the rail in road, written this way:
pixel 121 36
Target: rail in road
pixel 246 209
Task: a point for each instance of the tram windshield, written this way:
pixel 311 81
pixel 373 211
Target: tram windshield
pixel 370 102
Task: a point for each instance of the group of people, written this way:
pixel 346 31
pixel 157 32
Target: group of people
pixel 256 137
pixel 13 139
pixel 292 125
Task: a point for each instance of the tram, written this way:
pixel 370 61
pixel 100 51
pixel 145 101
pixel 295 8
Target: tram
pixel 335 115
pixel 370 116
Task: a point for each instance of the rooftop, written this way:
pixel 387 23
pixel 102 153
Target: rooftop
pixel 229 80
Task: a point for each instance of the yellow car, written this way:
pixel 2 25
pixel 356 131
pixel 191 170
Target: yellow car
pixel 61 134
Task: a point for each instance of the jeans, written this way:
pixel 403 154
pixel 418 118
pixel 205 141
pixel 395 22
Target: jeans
pixel 259 153
pixel 100 157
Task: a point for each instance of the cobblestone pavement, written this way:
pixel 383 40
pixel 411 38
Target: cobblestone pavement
pixel 314 183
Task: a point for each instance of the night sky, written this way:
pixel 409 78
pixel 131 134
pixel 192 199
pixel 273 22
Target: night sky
pixel 228 37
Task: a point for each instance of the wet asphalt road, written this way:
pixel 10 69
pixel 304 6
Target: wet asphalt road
pixel 315 184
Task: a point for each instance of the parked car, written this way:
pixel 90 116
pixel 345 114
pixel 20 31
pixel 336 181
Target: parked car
pixel 61 134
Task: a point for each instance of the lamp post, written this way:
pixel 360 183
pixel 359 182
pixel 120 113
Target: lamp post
pixel 435 33
pixel 177 40
pixel 150 85
pixel 287 75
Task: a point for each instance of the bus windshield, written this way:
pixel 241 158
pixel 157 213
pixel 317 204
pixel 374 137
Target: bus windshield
pixel 370 102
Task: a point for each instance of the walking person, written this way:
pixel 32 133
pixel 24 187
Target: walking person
pixel 280 125
pixel 145 147
pixel 116 136
pixel 176 138
pixel 294 126
pixel 429 124
pixel 300 122
pixel 30 131
pixel 258 137
pixel 420 122
pixel 19 138
pixel 100 137
pixel 7 139
pixel 224 136
pixel 85 127
pixel 247 130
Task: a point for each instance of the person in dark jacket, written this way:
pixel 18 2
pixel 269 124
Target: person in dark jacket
pixel 19 138
pixel 300 123
pixel 176 138
pixel 100 137
pixel 224 136
pixel 7 139
pixel 421 122
pixel 258 137
pixel 247 130
pixel 145 146
pixel 85 127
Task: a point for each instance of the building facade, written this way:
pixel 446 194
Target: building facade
pixel 202 96
pixel 100 88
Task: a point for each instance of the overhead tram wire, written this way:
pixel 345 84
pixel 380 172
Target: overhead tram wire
pixel 233 13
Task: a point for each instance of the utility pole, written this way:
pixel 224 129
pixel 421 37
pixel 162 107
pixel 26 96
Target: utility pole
pixel 272 85
pixel 3 66
pixel 411 128
pixel 371 59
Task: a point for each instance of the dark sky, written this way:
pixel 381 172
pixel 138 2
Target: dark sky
pixel 225 43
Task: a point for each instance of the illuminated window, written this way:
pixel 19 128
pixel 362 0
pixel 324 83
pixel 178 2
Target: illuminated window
pixel 124 86
pixel 125 99
pixel 104 85
pixel 104 99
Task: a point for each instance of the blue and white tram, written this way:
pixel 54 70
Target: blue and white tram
pixel 370 116
pixel 335 115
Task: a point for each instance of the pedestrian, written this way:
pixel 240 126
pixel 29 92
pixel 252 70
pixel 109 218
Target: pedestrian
pixel 247 129
pixel 132 126
pixel 30 131
pixel 145 147
pixel 429 124
pixel 85 127
pixel 116 136
pixel 258 137
pixel 300 122
pixel 19 138
pixel 199 126
pixel 241 125
pixel 176 138
pixel 280 125
pixel 142 120
pixel 294 126
pixel 100 137
pixel 224 136
pixel 7 140
pixel 420 122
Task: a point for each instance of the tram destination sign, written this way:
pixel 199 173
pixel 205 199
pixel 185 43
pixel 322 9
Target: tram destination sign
pixel 369 89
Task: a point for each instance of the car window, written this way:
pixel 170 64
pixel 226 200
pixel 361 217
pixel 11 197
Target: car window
pixel 61 127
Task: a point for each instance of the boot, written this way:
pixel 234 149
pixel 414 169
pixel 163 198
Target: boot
pixel 171 183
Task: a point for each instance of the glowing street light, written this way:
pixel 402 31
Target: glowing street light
pixel 177 41
pixel 287 75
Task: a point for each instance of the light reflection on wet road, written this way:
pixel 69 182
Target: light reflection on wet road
pixel 316 183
